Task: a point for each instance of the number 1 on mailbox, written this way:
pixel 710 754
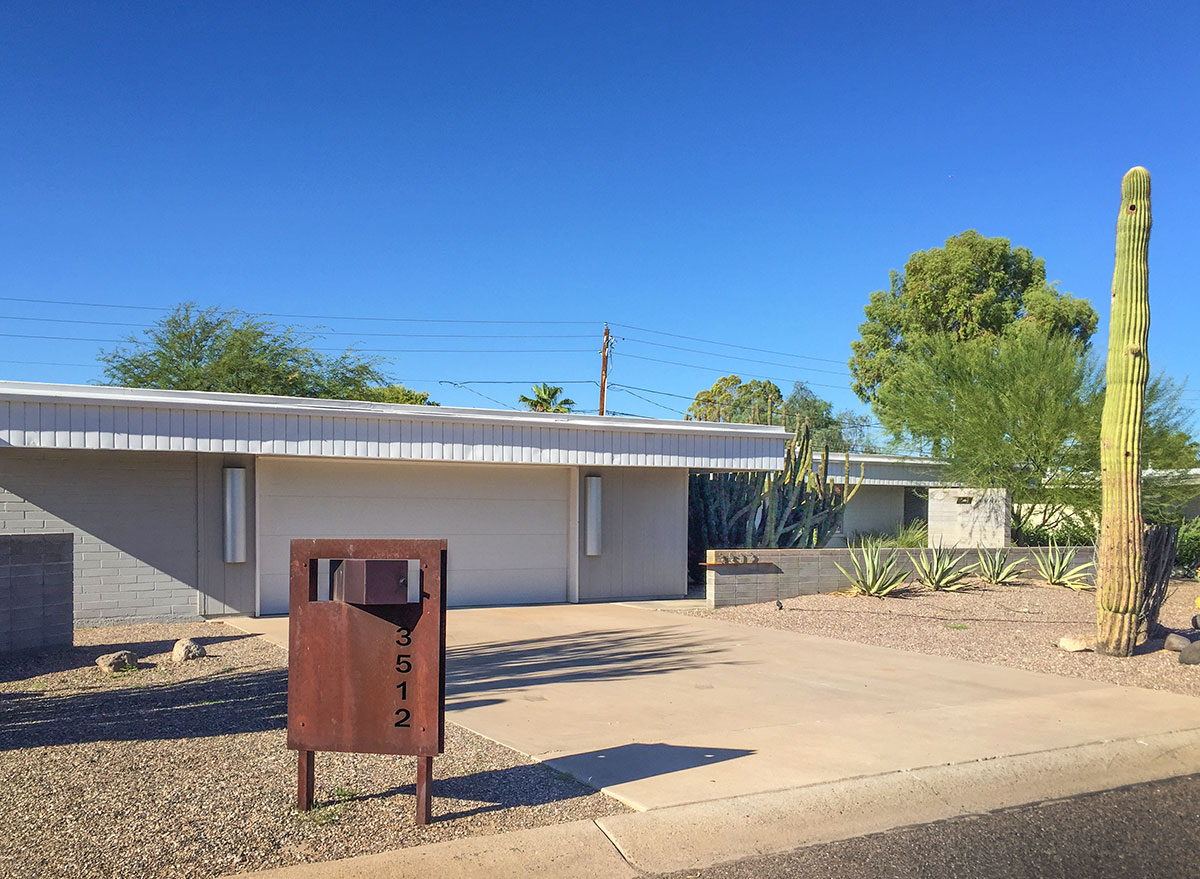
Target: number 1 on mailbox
pixel 366 665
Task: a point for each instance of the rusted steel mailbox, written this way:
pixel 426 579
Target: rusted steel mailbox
pixel 366 666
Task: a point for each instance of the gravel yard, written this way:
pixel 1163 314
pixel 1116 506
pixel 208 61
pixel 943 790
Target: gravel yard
pixel 183 770
pixel 1017 626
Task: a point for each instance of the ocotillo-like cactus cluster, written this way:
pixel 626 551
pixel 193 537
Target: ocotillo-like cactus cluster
pixel 1119 578
pixel 793 507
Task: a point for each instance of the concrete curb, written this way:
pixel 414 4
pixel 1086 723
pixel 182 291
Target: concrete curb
pixel 699 835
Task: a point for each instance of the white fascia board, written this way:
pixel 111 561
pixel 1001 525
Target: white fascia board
pixel 203 400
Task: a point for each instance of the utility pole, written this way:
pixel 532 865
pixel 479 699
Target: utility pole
pixel 604 348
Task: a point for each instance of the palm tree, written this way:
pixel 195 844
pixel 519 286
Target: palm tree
pixel 545 399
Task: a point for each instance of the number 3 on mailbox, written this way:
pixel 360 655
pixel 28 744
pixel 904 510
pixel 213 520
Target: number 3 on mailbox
pixel 366 658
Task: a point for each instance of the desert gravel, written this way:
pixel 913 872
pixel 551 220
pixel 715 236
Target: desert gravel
pixel 1017 626
pixel 183 770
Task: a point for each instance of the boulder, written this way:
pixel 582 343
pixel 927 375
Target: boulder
pixel 1076 643
pixel 1190 655
pixel 185 649
pixel 119 661
pixel 1176 642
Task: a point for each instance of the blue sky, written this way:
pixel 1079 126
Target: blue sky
pixel 741 173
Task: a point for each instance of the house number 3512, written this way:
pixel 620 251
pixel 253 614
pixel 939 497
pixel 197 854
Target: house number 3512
pixel 403 668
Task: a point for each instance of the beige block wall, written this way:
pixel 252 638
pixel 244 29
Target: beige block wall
pixel 969 517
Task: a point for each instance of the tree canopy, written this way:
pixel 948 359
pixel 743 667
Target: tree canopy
pixel 1021 411
pixel 546 398
pixel 761 402
pixel 210 349
pixel 973 287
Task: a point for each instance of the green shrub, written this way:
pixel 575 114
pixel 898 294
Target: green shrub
pixel 1070 533
pixel 874 576
pixel 941 571
pixel 1187 550
pixel 914 535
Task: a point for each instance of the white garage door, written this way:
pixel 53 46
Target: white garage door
pixel 506 526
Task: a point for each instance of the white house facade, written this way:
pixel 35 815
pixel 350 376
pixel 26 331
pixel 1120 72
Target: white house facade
pixel 181 504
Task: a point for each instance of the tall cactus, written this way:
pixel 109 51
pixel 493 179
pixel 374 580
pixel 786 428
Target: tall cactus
pixel 1119 578
pixel 797 506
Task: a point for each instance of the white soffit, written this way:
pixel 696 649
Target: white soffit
pixel 34 415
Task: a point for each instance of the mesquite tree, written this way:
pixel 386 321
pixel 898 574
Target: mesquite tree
pixel 1120 574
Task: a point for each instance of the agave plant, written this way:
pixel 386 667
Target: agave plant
pixel 941 571
pixel 1054 565
pixel 995 568
pixel 873 574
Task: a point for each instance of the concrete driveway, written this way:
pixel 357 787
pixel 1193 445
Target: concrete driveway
pixel 661 710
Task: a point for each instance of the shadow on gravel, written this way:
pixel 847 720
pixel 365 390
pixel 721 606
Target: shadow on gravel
pixel 580 656
pixel 210 706
pixel 493 790
pixel 28 664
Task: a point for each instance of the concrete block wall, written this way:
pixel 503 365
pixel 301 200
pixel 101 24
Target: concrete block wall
pixel 133 519
pixel 36 602
pixel 752 576
pixel 970 517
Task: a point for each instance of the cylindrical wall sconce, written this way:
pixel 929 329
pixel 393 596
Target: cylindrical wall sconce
pixel 592 515
pixel 235 514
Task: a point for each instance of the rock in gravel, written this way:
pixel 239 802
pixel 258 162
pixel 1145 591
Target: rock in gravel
pixel 1176 642
pixel 185 649
pixel 119 661
pixel 1190 655
pixel 1076 643
pixel 1196 621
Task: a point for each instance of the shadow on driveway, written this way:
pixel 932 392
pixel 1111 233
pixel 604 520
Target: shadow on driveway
pixel 581 656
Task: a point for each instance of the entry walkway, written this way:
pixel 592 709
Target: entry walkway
pixel 732 741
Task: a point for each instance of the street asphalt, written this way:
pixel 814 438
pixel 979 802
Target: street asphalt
pixel 1150 830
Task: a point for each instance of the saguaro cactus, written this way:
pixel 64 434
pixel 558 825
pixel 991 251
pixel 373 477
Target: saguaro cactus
pixel 1119 578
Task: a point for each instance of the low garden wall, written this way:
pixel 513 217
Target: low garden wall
pixel 36 591
pixel 750 576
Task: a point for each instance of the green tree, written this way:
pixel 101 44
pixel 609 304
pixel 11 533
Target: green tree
pixel 973 287
pixel 398 394
pixel 761 402
pixel 1021 411
pixel 209 349
pixel 546 399
pixel 731 399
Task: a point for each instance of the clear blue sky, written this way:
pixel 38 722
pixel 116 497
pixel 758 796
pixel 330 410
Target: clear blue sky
pixel 741 172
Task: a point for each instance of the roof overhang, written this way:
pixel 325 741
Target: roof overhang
pixel 35 415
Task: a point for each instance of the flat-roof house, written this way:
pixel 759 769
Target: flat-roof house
pixel 181 504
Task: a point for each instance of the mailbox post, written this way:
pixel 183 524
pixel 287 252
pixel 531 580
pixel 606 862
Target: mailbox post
pixel 366 666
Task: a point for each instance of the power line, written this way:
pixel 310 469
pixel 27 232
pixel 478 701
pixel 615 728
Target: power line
pixel 736 357
pixel 319 331
pixel 289 316
pixel 717 369
pixel 727 344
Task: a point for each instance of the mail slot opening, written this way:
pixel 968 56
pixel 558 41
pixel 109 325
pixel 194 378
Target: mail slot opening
pixel 374 581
